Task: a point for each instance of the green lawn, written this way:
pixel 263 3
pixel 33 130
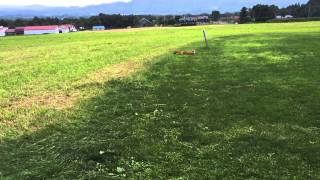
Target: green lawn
pixel 100 105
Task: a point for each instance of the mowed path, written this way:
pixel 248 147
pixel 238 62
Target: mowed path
pixel 119 104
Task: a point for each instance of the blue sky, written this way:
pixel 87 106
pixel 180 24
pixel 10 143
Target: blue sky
pixel 92 2
pixel 57 2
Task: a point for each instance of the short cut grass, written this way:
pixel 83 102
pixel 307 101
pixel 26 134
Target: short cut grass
pixel 103 105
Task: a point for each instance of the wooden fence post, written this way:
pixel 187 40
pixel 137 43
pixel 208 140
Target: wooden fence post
pixel 205 39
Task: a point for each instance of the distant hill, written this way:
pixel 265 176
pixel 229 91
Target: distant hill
pixel 139 7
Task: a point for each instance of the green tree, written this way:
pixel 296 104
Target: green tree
pixel 275 9
pixel 263 12
pixel 244 15
pixel 313 8
pixel 216 15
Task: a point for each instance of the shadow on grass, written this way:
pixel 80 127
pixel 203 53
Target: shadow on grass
pixel 248 107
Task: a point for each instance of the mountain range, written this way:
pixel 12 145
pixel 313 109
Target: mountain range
pixel 155 7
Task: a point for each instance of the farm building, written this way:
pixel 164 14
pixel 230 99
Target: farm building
pixel 66 28
pixel 10 32
pixel 19 30
pixel 288 16
pixel 231 19
pixel 3 31
pixel 284 17
pixel 71 27
pixel 31 30
pixel 98 28
pixel 193 20
pixel 145 22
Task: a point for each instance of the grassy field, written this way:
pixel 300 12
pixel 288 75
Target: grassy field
pixel 97 105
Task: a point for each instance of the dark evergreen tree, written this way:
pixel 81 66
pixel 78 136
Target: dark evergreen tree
pixel 244 15
pixel 263 12
pixel 216 15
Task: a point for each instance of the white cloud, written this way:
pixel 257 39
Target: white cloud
pixel 57 2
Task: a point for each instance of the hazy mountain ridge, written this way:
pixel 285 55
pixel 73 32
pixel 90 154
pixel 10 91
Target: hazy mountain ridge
pixel 138 7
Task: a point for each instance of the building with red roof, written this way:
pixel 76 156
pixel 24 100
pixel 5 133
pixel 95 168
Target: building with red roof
pixel 10 32
pixel 31 30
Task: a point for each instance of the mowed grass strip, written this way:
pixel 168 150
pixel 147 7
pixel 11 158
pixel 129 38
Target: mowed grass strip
pixel 245 108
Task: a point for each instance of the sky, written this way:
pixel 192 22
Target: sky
pixel 57 2
pixel 76 2
pixel 17 7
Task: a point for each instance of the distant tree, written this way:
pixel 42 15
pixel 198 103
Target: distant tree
pixel 263 12
pixel 275 9
pixel 295 10
pixel 20 22
pixel 171 20
pixel 216 15
pixel 177 18
pixel 244 15
pixel 3 22
pixel 313 8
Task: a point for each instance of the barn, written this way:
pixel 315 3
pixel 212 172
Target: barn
pixel 3 31
pixel 30 30
pixel 19 30
pixel 10 32
pixel 145 22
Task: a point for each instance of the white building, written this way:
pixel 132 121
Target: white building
pixel 30 30
pixel 194 18
pixel 3 31
pixel 72 28
pixel 64 29
pixel 288 17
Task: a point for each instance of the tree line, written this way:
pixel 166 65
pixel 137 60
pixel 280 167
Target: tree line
pixel 262 13
pixel 110 21
pixel 258 13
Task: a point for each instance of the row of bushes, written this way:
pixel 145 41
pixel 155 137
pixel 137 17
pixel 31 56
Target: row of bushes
pixel 294 20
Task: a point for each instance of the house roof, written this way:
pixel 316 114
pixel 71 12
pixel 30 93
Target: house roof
pixel 32 28
pixel 99 27
pixel 3 29
pixel 19 28
pixel 64 27
pixel 144 20
pixel 10 30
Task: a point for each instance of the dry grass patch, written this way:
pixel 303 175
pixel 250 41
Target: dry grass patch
pixel 62 100
pixel 116 71
pixel 57 100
